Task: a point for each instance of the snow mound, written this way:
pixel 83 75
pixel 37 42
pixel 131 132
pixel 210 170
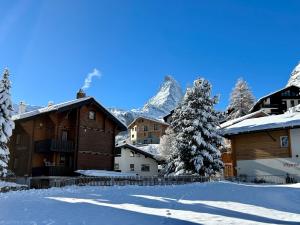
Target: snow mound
pixel 103 173
pixel 9 184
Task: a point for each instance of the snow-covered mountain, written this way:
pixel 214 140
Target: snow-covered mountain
pixel 295 76
pixel 166 99
pixel 161 104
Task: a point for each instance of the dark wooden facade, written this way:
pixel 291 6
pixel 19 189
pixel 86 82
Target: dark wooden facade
pixel 58 142
pixel 280 101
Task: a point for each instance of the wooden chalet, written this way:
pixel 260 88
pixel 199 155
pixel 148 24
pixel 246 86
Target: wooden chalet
pixel 280 101
pixel 59 139
pixel 265 146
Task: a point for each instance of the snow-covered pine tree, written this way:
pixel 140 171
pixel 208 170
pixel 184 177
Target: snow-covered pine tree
pixel 6 123
pixel 166 143
pixel 241 100
pixel 197 138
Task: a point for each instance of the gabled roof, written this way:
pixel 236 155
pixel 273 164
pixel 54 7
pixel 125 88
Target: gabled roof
pixel 290 119
pixel 167 116
pixel 148 118
pixel 61 107
pixel 259 113
pixel 136 149
pixel 273 93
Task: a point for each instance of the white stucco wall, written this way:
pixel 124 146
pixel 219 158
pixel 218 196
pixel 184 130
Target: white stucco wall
pixel 276 166
pixel 125 160
pixel 269 167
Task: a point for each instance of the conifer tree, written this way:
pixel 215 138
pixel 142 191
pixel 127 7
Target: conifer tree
pixel 241 100
pixel 6 123
pixel 166 143
pixel 197 138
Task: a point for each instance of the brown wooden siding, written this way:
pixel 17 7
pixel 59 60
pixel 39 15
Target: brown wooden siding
pixel 96 141
pixel 262 145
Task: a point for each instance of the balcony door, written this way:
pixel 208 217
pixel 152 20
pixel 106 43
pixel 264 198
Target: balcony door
pixel 64 135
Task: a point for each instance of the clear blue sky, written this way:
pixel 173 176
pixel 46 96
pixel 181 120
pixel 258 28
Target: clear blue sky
pixel 50 46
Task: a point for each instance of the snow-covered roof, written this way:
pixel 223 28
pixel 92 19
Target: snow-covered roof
pixel 66 105
pixel 289 119
pixel 137 149
pixel 148 118
pixel 248 116
pixel 268 95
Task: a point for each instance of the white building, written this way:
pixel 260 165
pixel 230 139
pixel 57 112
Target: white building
pixel 131 159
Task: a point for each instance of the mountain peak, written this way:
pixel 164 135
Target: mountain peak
pixel 295 76
pixel 165 100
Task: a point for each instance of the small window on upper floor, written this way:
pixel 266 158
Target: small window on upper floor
pixel 284 141
pixel 145 128
pixel 131 153
pixel 92 115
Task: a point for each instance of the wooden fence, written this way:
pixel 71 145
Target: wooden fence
pixel 47 182
pixel 122 181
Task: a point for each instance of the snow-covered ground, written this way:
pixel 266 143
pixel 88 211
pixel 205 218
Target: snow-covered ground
pixel 206 203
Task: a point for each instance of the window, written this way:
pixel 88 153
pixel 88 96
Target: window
pixel 132 136
pixel 64 135
pixel 117 167
pixel 145 128
pixel 131 167
pixel 145 142
pixel 145 167
pixel 156 127
pixel 62 159
pixel 118 152
pixel 92 115
pixel 18 139
pixel 292 103
pixel 131 154
pixel 284 141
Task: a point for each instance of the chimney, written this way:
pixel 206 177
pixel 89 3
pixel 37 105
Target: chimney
pixel 80 94
pixel 22 107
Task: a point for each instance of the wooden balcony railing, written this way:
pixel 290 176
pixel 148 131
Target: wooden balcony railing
pixel 53 145
pixel 52 171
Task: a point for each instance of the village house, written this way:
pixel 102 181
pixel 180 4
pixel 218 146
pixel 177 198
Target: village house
pixel 59 139
pixel 144 130
pixel 267 146
pixel 280 101
pixel 131 159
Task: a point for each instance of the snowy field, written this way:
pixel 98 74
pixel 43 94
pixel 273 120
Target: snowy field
pixel 206 203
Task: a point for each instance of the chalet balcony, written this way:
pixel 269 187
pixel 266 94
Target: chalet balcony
pixel 52 145
pixel 52 171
